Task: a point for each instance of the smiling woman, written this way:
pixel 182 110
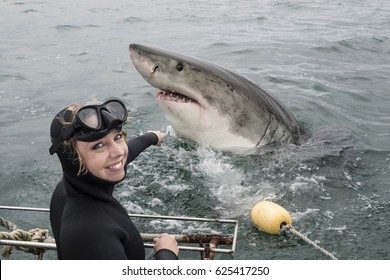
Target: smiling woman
pixel 87 221
pixel 105 158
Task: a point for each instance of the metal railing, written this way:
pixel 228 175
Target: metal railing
pixel 207 243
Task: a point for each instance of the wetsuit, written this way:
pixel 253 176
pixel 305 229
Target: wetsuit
pixel 88 222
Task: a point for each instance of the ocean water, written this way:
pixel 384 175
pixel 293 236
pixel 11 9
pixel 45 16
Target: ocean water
pixel 326 61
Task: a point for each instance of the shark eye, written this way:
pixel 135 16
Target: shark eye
pixel 179 66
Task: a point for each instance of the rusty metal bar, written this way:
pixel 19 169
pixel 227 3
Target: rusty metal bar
pixel 193 238
pixel 49 246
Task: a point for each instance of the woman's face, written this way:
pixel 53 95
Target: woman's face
pixel 105 158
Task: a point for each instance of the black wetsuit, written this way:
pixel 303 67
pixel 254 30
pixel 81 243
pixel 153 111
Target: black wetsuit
pixel 88 222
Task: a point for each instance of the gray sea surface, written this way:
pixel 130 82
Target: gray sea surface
pixel 326 61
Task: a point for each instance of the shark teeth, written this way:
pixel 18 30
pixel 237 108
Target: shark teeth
pixel 175 97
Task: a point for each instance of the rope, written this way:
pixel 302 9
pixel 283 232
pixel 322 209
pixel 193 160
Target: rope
pixel 7 224
pixel 33 235
pixel 291 229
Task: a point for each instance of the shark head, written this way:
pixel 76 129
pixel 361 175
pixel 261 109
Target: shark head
pixel 211 105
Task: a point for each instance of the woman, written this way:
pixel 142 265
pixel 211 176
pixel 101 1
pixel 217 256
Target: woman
pixel 87 221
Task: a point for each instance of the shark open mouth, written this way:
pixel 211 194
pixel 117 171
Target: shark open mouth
pixel 174 97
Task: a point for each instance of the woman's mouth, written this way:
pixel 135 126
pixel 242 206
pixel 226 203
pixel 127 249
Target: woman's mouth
pixel 115 166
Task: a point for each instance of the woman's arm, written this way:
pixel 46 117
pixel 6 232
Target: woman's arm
pixel 138 144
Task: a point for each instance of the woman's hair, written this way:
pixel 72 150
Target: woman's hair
pixel 70 145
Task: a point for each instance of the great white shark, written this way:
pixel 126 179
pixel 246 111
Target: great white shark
pixel 211 105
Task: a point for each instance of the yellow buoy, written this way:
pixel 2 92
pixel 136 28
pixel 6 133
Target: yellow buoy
pixel 269 217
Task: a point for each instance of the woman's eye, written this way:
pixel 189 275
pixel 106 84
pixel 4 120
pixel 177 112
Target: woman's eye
pixel 97 146
pixel 118 136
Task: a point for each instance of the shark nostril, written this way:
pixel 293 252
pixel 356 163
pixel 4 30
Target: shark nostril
pixel 154 69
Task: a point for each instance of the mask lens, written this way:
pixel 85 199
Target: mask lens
pixel 117 109
pixel 89 117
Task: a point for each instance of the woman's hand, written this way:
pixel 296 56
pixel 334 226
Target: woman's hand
pixel 166 241
pixel 160 135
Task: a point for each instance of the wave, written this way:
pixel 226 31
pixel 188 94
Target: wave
pixel 69 27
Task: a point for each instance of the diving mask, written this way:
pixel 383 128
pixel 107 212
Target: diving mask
pixel 91 123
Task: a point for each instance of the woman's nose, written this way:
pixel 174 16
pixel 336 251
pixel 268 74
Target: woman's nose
pixel 116 150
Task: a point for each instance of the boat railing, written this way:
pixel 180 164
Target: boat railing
pixel 206 243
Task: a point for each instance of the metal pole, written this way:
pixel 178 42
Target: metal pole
pixel 184 218
pixel 25 208
pixel 39 245
pixel 52 246
pixel 195 219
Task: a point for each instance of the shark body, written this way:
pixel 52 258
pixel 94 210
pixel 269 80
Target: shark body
pixel 212 105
